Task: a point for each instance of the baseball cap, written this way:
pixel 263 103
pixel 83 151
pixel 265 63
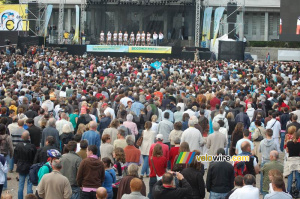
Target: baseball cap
pixel 105 104
pixel 160 136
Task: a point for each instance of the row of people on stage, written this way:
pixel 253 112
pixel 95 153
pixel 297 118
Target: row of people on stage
pixel 140 39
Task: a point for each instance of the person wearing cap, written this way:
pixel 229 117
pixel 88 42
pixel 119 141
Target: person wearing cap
pixel 109 110
pixel 165 148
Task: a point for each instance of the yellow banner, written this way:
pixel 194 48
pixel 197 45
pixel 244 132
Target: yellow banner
pixel 150 49
pixel 13 17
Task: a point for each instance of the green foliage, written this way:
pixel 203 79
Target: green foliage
pixel 277 44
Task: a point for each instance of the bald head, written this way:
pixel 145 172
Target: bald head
pixel 274 155
pixel 25 135
pixel 63 116
pixel 245 146
pixel 93 125
pixel 101 193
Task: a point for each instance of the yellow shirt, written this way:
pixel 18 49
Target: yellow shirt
pixel 66 35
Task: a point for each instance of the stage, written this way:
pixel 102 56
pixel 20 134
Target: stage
pixel 156 52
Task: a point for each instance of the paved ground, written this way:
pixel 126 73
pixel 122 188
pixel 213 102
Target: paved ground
pixel 13 183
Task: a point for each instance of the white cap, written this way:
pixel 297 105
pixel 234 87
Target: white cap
pixel 160 136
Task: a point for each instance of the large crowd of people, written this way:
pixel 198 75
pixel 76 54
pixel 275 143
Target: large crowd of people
pixel 95 127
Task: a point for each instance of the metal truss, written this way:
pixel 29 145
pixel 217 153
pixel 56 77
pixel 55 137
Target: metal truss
pixel 198 23
pixel 61 21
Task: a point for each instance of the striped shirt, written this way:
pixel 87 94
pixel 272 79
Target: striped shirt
pixel 16 136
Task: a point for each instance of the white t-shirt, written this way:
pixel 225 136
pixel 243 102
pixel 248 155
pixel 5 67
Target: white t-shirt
pixel 115 36
pixel 148 36
pixel 102 36
pixel 125 37
pixel 109 36
pixel 132 36
pixel 161 36
pixel 155 36
pixel 138 36
pixel 143 36
pixel 120 36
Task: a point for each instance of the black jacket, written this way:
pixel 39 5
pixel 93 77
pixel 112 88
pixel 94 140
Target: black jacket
pixel 195 179
pixel 284 118
pixel 160 192
pixel 35 135
pixel 41 155
pixel 23 156
pixel 220 177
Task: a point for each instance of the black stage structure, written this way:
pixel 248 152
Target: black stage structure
pixel 176 22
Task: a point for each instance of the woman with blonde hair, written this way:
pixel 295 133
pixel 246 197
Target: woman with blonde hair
pixel 290 134
pixel 81 129
pixel 112 131
pixel 154 123
pixel 258 135
pixel 84 107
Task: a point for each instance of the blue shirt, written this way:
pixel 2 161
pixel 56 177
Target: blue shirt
pixel 110 178
pixel 171 115
pixel 136 107
pixel 93 138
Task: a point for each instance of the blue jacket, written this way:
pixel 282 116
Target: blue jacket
pixel 93 138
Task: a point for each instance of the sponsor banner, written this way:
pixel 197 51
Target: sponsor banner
pixel 218 15
pixel 150 49
pixel 13 17
pixel 76 36
pixel 106 48
pixel 48 15
pixel 206 26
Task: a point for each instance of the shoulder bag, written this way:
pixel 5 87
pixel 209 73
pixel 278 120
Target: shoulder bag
pixel 157 177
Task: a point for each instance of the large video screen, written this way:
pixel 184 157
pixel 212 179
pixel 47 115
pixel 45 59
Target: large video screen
pixel 289 20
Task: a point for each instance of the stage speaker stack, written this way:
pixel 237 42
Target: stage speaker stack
pixel 33 13
pixel 231 18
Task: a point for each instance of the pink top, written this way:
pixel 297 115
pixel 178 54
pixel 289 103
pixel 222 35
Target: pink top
pixel 132 126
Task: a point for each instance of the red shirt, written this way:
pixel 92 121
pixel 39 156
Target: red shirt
pixel 282 106
pixel 213 102
pixel 173 152
pixel 160 164
pixel 165 149
pixel 159 94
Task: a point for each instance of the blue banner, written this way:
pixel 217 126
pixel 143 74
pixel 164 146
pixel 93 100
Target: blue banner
pixel 156 65
pixel 218 15
pixel 206 24
pixel 106 48
pixel 47 18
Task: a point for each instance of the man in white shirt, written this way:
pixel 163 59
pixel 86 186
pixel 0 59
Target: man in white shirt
pixel 192 136
pixel 248 191
pixel 155 36
pixel 60 123
pixel 115 37
pixel 276 127
pixel 108 110
pixel 108 40
pixel 160 37
pixel 48 104
pixel 132 38
pixel 148 38
pixel 102 38
pixel 125 40
pixel 238 148
pixel 120 38
pixel 138 38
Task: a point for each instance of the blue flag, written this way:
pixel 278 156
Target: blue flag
pixel 156 65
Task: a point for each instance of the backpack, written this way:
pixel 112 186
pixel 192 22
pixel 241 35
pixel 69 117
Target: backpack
pixel 3 145
pixel 33 172
pixel 241 168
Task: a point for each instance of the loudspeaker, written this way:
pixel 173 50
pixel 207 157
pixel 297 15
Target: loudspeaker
pixel 231 18
pixel 231 50
pixel 33 14
pixel 231 31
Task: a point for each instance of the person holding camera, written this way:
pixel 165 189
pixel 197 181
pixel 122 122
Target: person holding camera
pixel 165 188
